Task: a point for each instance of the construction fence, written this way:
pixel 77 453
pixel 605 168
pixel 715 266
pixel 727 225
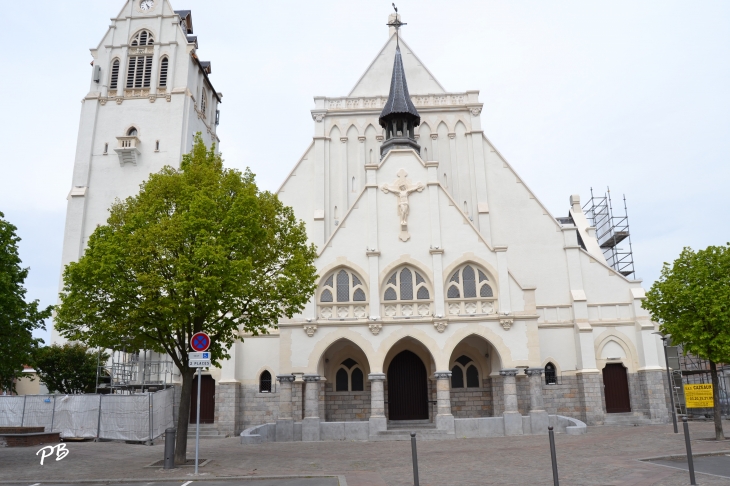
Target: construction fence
pixel 134 417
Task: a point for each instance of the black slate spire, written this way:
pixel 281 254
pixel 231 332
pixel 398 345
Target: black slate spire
pixel 399 116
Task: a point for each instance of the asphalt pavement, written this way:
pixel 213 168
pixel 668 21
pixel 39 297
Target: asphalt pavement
pixel 717 465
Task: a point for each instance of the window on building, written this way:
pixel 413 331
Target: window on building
pixel 139 68
pixel 406 294
pixel 265 382
pixel 163 72
pixel 349 376
pixel 132 132
pixel 106 148
pixel 464 366
pixel 551 376
pixel 157 145
pixel 469 292
pixel 342 295
pixel 203 102
pixel 114 78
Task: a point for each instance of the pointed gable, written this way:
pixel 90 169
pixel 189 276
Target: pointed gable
pixel 376 80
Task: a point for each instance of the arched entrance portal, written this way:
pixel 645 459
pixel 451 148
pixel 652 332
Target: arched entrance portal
pixel 616 388
pixel 407 388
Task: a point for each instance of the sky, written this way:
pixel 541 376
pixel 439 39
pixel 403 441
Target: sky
pixel 629 95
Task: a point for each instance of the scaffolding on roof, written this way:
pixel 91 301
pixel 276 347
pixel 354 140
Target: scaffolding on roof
pixel 611 229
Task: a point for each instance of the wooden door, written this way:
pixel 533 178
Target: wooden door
pixel 207 400
pixel 407 388
pixel 616 388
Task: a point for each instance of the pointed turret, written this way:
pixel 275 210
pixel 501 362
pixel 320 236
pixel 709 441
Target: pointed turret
pixel 399 116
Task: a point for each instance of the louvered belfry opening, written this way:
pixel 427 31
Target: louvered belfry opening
pixel 163 72
pixel 139 68
pixel 399 117
pixel 115 75
pixel 407 388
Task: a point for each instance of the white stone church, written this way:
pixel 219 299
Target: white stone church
pixel 450 299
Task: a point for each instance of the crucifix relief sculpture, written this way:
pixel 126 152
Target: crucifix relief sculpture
pixel 402 187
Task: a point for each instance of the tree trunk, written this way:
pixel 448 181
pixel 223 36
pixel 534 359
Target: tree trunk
pixel 719 435
pixel 183 418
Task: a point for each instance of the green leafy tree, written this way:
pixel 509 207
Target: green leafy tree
pixel 68 368
pixel 691 301
pixel 198 249
pixel 18 318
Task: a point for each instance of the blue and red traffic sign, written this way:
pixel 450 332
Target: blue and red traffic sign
pixel 200 341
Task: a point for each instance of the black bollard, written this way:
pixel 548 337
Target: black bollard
pixel 553 457
pixel 690 462
pixel 170 448
pixel 415 459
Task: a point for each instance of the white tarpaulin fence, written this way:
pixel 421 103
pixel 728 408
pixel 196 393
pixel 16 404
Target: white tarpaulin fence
pixel 138 417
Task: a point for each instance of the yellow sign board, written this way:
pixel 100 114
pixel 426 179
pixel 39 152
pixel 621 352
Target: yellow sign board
pixel 698 396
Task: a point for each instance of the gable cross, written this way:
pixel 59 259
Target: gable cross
pixel 402 187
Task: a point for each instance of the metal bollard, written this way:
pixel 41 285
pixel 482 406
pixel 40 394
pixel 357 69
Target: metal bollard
pixel 690 461
pixel 170 448
pixel 415 459
pixel 553 457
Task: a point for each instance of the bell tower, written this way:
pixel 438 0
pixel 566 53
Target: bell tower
pixel 399 117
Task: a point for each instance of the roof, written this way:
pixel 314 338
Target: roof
pixel 186 15
pixel 399 101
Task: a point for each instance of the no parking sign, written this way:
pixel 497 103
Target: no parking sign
pixel 200 342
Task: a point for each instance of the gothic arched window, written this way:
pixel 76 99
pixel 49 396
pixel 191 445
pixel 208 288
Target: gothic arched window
pixel 164 62
pixel 139 67
pixel 463 367
pixel 342 295
pixel 406 294
pixel 114 77
pixel 469 292
pixel 265 382
pixel 132 132
pixel 551 375
pixel 349 376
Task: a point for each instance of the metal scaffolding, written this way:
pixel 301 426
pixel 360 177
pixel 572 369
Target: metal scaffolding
pixel 611 229
pixel 689 370
pixel 126 373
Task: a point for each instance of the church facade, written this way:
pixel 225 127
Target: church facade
pixel 447 290
pixel 449 297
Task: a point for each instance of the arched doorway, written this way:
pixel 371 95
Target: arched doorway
pixel 616 388
pixel 407 388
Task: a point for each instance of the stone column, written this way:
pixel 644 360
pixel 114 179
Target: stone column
pixel 511 415
pixel 310 423
pixel 377 421
pixel 285 422
pixel 444 418
pixel 539 419
pixel 590 384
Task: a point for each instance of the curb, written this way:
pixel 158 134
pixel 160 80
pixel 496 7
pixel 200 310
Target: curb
pixel 680 456
pixel 340 479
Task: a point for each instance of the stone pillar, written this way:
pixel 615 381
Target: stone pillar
pixel 285 422
pixel 591 398
pixel 377 421
pixel 444 418
pixel 653 386
pixel 511 415
pixel 539 420
pixel 227 404
pixel 310 423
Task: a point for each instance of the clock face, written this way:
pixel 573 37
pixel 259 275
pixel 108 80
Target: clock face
pixel 146 4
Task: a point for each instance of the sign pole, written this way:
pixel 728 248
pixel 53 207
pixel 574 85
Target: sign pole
pixel 671 386
pixel 197 426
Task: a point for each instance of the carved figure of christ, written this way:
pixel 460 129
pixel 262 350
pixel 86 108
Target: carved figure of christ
pixel 402 188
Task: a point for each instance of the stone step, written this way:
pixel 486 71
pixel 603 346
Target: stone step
pixel 628 418
pixel 404 434
pixel 192 437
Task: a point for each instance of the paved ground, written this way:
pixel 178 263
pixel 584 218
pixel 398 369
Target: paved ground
pixel 606 456
pixel 717 465
pixel 230 482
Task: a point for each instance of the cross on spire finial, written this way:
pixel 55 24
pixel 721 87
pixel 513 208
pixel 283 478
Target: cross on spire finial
pixel 396 23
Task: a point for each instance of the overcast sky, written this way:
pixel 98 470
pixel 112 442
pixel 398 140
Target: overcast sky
pixel 631 95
